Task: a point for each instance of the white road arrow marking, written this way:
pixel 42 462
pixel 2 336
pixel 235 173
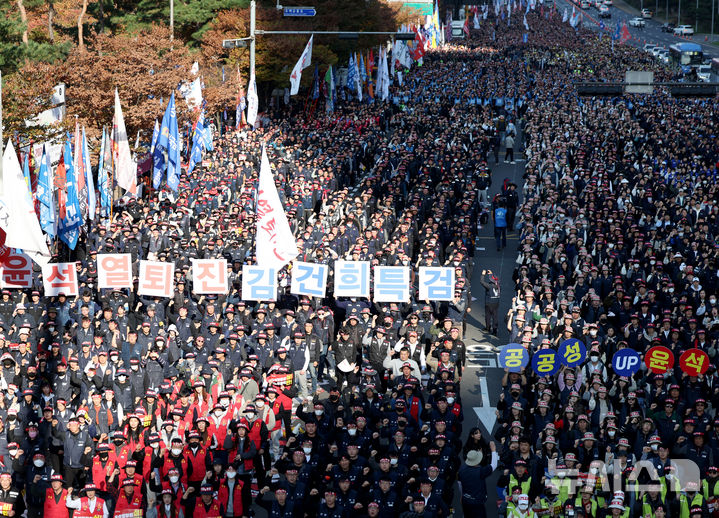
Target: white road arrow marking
pixel 486 412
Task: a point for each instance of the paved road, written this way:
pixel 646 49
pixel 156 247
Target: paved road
pixel 651 33
pixel 481 382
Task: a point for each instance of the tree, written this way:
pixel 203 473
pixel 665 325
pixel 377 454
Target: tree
pixel 192 17
pixel 276 55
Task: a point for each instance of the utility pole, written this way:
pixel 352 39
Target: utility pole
pixel 712 36
pixel 172 20
pixel 253 7
pixel 679 14
pixel 696 18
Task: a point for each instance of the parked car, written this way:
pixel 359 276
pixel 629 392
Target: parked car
pixel 684 30
pixel 637 22
pixel 604 12
pixel 646 13
pixel 704 73
pixel 656 50
pixel 608 3
pixel 648 47
pixel 668 27
pixel 663 56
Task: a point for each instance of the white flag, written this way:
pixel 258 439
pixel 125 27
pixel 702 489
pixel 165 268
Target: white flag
pixel 384 92
pixel 565 16
pixel 125 167
pixel 17 212
pixel 275 246
pixel 304 61
pixel 252 100
pixel 526 25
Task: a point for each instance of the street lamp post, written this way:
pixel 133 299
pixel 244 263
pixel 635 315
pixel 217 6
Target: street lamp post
pixel 253 7
pixel 172 20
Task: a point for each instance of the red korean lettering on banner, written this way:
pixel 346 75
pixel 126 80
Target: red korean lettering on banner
pixel 17 271
pixel 114 271
pixel 156 278
pixel 60 278
pixel 209 276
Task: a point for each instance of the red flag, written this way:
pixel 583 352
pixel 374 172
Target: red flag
pixel 625 35
pixel 465 27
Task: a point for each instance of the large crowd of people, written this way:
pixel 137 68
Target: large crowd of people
pixel 122 405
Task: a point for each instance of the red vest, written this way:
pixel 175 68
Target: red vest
pixel 254 433
pixel 415 407
pixel 99 473
pixel 52 509
pixel 198 463
pixel 220 429
pixel 129 508
pixel 276 408
pixel 84 511
pixel 120 456
pixel 170 463
pixel 223 496
pixel 213 512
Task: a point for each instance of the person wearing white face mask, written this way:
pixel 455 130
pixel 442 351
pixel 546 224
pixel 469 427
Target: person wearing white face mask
pixel 230 493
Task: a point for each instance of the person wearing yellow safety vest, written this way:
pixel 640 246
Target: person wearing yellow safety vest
pixel 588 503
pixel 549 503
pixel 710 488
pixel 519 477
pixel 690 499
pixel 671 485
pixel 652 499
pixel 522 510
pixel 559 485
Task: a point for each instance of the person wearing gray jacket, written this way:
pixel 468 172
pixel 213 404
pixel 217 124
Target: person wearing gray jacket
pixel 77 447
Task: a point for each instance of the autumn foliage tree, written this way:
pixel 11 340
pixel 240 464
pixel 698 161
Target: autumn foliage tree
pixel 137 57
pixel 277 54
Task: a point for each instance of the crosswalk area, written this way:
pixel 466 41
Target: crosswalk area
pixel 482 355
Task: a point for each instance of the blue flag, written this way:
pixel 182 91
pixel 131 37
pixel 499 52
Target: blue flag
pixel 155 134
pixel 351 74
pixel 158 152
pixel 167 141
pixel 315 85
pixel 197 143
pixel 173 151
pixel 91 201
pixel 69 228
pixel 618 32
pixel 26 170
pixel 45 197
pixel 103 178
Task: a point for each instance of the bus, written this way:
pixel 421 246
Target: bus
pixel 686 55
